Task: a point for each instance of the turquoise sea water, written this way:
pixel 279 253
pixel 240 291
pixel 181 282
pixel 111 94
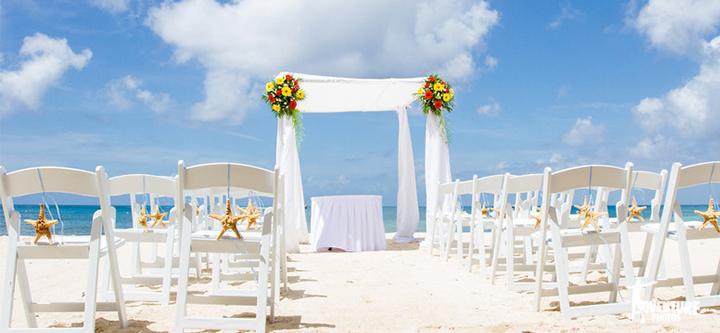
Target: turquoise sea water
pixel 76 218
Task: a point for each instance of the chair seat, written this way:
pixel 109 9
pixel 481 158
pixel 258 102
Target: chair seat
pixel 72 247
pixel 693 230
pixel 142 235
pixel 206 241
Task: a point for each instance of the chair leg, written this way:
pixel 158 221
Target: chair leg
pixel 645 254
pixel 497 251
pixel 92 277
pixel 589 254
pixel 481 249
pixel 459 240
pixel 448 243
pixel 510 257
pixel 627 256
pixel 25 296
pixel 561 261
pixel 431 237
pixel 115 275
pixel 182 288
pixel 614 274
pixel 685 266
pixel 9 285
pixel 471 246
pixel 167 273
pixel 215 282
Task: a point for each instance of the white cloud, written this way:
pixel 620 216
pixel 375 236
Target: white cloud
pixel 112 6
pixel 567 13
pixel 243 43
pixel 45 60
pixel 691 108
pixel 124 91
pixel 584 132
pixel 678 26
pixel 490 62
pixel 490 109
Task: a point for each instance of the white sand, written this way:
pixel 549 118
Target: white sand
pixel 399 290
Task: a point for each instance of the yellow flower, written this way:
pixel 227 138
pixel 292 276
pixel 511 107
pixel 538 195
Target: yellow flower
pixel 276 107
pixel 446 97
pixel 286 91
pixel 300 94
pixel 438 86
pixel 452 93
pixel 279 80
pixel 269 86
pixel 420 91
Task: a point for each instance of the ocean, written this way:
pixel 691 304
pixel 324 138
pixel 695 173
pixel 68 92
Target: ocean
pixel 76 218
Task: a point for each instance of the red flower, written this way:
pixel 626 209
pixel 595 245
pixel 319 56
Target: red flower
pixel 295 89
pixel 271 99
pixel 431 78
pixel 437 104
pixel 292 105
pixel 278 92
pixel 428 94
pixel 427 85
pixel 288 77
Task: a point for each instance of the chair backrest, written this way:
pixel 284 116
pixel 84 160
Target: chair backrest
pixel 46 180
pixel 652 181
pixel 134 184
pixel 231 176
pixel 447 197
pixel 592 177
pixel 705 173
pixel 530 185
pixel 141 184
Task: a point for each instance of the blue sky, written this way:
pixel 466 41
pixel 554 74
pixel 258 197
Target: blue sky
pixel 138 85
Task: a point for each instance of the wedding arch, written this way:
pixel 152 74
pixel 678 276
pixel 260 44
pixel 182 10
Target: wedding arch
pixel 326 94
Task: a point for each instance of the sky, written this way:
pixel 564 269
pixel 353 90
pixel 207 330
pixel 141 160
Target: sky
pixel 136 86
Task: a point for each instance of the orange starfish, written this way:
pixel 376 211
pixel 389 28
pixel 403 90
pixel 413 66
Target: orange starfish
pixel 42 226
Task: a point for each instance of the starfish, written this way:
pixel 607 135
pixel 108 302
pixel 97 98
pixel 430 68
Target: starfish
pixel 710 216
pixel 142 219
pixel 42 226
pixel 537 220
pixel 636 211
pixel 157 218
pixel 584 209
pixel 484 211
pixel 228 220
pixel 591 218
pixel 250 214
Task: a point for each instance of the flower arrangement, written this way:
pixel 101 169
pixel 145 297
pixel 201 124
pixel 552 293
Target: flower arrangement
pixel 435 96
pixel 283 95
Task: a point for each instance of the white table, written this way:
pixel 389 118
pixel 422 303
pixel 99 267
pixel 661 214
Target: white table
pixel 348 222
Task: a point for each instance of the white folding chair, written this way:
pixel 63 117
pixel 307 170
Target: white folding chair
pixel 519 222
pixel 256 244
pixel 443 219
pixel 682 232
pixel 63 180
pixel 165 234
pixel 565 235
pixel 483 218
pixel 649 184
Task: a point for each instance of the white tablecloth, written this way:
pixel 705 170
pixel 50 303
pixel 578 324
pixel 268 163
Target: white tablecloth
pixel 348 222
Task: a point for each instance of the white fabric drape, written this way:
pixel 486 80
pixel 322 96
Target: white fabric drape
pixel 286 157
pixel 408 214
pixel 437 166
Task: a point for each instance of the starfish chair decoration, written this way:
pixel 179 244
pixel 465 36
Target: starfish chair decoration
pixel 142 219
pixel 537 218
pixel 484 211
pixel 228 220
pixel 250 214
pixel 636 211
pixel 42 226
pixel 157 219
pixel 710 216
pixel 591 218
pixel 584 209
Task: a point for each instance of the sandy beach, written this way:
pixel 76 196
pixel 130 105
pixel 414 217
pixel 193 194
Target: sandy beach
pixel 402 289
